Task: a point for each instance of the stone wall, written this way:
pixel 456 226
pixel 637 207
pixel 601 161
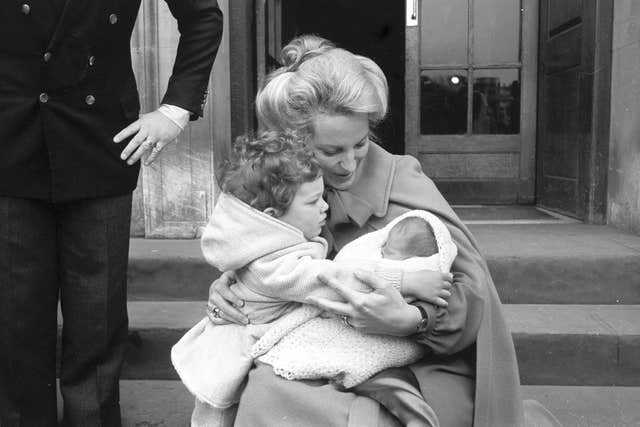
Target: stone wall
pixel 624 155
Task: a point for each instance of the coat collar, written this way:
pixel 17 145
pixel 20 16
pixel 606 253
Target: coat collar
pixel 369 195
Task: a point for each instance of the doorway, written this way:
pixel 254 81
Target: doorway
pixel 471 97
pixel 574 107
pixel 478 92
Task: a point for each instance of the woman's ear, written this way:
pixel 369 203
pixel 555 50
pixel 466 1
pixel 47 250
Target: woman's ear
pixel 271 211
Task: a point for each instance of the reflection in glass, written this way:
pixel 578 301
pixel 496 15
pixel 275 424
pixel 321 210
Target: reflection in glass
pixel 496 101
pixel 444 27
pixel 496 36
pixel 443 102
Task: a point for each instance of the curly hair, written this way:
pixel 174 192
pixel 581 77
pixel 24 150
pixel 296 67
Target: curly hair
pixel 267 171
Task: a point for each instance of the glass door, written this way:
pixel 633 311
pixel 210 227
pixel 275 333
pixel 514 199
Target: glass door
pixel 471 97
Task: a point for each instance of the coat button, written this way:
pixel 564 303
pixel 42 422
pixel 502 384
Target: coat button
pixel 44 98
pixel 113 18
pixel 25 9
pixel 90 100
pixel 46 56
pixel 92 60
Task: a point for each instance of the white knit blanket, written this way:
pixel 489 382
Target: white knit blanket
pixel 305 345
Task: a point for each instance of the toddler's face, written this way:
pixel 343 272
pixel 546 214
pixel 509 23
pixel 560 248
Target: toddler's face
pixel 308 210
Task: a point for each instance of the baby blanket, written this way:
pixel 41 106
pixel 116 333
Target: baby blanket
pixel 321 347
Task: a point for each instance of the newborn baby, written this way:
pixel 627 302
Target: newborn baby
pixel 411 237
pixel 416 240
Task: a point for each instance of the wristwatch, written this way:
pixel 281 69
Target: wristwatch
pixel 423 324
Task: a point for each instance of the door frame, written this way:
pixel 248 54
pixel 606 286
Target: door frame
pixel 594 154
pixel 524 143
pixel 164 207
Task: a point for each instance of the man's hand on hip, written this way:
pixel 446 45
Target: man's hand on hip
pixel 151 133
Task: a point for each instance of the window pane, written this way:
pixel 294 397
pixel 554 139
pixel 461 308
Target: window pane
pixel 496 37
pixel 443 102
pixel 496 101
pixel 444 31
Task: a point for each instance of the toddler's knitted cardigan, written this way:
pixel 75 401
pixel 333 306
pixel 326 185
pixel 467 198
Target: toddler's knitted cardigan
pixel 276 268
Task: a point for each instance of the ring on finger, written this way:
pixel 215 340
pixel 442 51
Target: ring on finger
pixel 215 311
pixel 345 320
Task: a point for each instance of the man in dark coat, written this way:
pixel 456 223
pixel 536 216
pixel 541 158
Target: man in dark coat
pixel 67 97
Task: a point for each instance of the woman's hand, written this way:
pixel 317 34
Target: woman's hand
pixel 428 286
pixel 381 311
pixel 223 302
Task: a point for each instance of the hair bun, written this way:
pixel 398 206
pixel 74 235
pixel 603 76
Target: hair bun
pixel 301 48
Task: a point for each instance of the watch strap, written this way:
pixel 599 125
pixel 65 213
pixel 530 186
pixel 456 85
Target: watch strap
pixel 424 319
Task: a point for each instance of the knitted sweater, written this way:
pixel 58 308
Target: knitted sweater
pixel 275 266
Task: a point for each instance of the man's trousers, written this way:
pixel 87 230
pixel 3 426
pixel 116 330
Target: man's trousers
pixel 76 253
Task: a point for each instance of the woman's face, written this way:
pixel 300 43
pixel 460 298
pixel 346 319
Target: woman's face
pixel 340 143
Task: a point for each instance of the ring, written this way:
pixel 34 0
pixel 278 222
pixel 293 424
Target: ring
pixel 152 144
pixel 215 311
pixel 345 320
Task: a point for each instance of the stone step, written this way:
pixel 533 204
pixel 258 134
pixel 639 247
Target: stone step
pixel 556 344
pixel 562 263
pixel 522 214
pixel 167 403
pixel 565 263
pixel 589 406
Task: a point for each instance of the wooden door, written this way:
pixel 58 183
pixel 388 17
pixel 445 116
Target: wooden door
pixel 175 194
pixel 471 96
pixel 574 105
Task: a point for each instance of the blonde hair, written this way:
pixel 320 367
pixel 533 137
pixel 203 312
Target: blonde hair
pixel 319 78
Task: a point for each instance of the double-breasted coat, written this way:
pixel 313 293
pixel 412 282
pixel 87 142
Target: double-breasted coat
pixel 67 87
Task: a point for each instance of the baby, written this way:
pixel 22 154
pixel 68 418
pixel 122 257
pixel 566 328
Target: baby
pixel 410 237
pixel 265 227
pixel 416 240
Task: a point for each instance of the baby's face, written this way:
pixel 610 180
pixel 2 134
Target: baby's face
pixel 394 248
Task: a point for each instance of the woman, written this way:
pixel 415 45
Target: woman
pixel 470 375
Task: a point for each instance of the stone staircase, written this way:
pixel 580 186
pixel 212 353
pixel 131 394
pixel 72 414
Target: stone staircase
pixel 572 300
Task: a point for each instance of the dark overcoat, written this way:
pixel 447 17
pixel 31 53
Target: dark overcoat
pixel 67 87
